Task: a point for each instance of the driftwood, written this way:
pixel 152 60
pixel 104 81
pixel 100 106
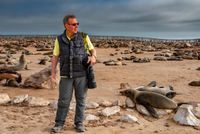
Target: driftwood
pixel 36 80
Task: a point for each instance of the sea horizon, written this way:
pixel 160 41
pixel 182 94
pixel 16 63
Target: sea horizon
pixel 103 36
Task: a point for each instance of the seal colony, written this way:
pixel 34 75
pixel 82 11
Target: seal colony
pixel 176 73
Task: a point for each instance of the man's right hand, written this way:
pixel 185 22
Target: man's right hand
pixel 53 81
pixel 53 78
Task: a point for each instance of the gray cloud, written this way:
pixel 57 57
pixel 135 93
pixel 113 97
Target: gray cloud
pixel 105 17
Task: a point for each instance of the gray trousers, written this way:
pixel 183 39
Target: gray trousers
pixel 66 87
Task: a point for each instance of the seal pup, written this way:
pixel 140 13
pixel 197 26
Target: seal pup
pixel 150 100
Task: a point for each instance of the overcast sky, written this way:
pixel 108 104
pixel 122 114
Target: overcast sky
pixel 141 18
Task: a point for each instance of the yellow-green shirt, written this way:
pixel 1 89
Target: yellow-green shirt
pixel 87 43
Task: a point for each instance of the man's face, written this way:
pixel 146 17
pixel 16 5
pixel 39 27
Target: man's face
pixel 72 25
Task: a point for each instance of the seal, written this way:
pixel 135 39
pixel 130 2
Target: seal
pixel 13 79
pixel 12 83
pixel 152 87
pixel 150 100
pixel 194 83
pixel 19 66
pixel 8 74
pixel 166 91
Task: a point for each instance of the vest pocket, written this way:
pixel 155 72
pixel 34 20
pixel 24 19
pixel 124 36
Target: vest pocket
pixel 64 63
pixel 77 60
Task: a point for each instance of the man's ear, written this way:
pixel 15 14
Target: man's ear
pixel 65 25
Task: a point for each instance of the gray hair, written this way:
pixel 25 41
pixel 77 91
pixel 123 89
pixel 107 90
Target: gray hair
pixel 67 17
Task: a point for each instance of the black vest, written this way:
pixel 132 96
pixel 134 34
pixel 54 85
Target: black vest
pixel 73 55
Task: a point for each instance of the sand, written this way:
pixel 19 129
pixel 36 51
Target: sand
pixel 39 120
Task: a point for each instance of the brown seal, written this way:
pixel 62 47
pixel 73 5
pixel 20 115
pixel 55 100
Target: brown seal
pixel 150 100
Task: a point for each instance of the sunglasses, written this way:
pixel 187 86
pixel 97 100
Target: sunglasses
pixel 75 24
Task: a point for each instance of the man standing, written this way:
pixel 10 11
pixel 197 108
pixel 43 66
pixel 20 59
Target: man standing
pixel 71 49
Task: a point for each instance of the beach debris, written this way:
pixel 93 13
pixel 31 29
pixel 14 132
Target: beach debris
pixel 92 105
pixel 141 60
pixel 196 110
pixel 54 104
pixel 128 118
pixel 175 58
pixel 130 58
pixel 20 99
pixel 126 51
pixel 106 103
pixel 113 63
pixel 91 117
pixel 184 116
pixel 37 101
pixel 110 111
pixel 160 58
pixel 163 54
pixel 4 98
pixel 119 102
pixel 48 53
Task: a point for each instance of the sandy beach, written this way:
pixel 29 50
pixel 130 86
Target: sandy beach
pixel 39 120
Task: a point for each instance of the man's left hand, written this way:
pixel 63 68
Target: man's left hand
pixel 91 60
